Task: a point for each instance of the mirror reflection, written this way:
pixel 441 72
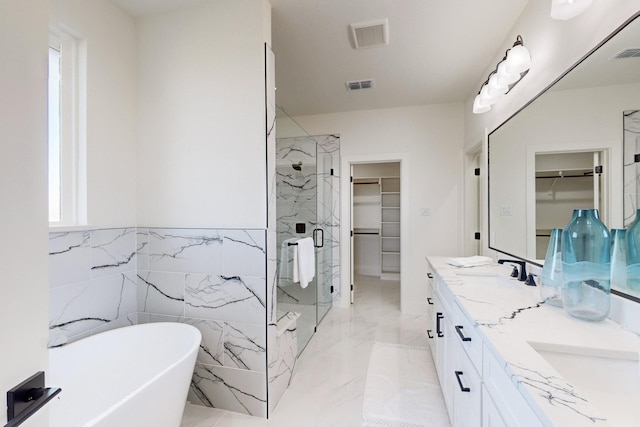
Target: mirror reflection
pixel 565 151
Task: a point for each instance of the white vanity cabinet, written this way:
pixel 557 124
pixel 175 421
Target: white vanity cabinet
pixel 491 416
pixel 514 410
pixel 459 378
pixel 431 313
pixel 477 390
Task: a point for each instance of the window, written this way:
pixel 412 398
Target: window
pixel 55 214
pixel 66 111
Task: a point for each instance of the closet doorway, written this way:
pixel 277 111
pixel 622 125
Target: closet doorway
pixel 564 182
pixel 375 212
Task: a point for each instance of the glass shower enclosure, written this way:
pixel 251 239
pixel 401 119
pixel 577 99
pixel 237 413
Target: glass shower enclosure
pixel 305 207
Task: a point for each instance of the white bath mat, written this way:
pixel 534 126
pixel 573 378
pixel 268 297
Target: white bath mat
pixel 402 389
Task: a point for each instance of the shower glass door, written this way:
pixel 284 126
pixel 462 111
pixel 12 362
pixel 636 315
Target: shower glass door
pixel 306 206
pixel 323 235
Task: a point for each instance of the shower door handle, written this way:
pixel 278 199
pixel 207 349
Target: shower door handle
pixel 315 237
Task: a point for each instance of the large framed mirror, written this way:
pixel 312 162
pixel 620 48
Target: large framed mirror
pixel 567 149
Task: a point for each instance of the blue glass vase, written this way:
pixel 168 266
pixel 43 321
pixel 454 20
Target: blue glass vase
pixel 633 254
pixel 586 262
pixel 551 280
pixel 619 258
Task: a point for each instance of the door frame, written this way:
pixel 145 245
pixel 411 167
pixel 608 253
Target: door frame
pixel 345 212
pixel 613 196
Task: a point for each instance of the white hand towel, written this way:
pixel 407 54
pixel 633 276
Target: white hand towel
pixel 288 258
pixel 472 261
pixel 306 261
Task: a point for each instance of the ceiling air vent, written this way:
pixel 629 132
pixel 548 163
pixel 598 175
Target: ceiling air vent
pixel 360 84
pixel 370 33
pixel 628 53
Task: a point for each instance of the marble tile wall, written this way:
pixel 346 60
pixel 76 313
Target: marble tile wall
pixel 92 282
pixel 297 202
pixel 212 279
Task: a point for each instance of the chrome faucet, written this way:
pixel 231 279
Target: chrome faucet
pixel 522 271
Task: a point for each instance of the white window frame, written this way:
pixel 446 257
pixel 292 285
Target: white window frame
pixel 73 108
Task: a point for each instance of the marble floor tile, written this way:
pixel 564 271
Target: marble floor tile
pixel 328 387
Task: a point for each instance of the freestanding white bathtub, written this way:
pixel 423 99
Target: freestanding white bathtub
pixel 134 376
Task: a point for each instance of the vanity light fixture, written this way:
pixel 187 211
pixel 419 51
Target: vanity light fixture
pixel 567 9
pixel 513 67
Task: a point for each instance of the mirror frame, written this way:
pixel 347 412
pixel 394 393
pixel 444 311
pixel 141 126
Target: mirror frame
pixel 543 91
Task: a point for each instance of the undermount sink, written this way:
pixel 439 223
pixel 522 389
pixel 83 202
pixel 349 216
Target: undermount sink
pixel 608 379
pixel 495 280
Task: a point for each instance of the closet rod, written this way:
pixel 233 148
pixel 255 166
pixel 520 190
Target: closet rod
pixel 586 175
pixel 371 233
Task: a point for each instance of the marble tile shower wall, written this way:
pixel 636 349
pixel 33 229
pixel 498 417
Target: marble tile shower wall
pixel 330 144
pixel 631 146
pixel 212 279
pixel 297 202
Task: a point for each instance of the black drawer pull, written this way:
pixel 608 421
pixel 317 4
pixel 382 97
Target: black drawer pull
pixel 439 316
pixel 462 388
pixel 429 334
pixel 430 301
pixel 430 276
pixel 459 331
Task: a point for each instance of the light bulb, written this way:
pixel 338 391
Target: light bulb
pixel 518 60
pixel 485 98
pixel 479 107
pixel 503 78
pixel 494 89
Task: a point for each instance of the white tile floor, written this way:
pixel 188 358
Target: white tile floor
pixel 328 386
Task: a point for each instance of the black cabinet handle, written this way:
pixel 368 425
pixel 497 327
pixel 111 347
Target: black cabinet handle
pixel 462 388
pixel 439 316
pixel 430 301
pixel 430 276
pixel 429 334
pixel 459 331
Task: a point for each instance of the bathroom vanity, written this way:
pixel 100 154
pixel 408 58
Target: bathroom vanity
pixel 504 359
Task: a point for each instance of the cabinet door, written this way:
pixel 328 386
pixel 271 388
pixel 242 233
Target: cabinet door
pixel 431 317
pixel 467 390
pixel 447 361
pixel 490 413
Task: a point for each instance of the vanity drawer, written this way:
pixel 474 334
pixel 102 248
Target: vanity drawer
pixel 466 333
pixel 513 408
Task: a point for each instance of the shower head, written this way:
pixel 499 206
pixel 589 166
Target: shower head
pixel 297 166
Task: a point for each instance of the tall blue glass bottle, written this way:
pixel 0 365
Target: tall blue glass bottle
pixel 586 261
pixel 551 280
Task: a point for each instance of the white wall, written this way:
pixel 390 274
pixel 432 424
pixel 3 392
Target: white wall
pixel 431 139
pixel 202 155
pixel 554 47
pixel 110 38
pixel 24 291
pixel 559 121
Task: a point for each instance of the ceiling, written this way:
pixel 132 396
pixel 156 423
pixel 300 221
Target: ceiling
pixel 438 50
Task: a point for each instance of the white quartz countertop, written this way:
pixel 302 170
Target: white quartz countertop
pixel 514 323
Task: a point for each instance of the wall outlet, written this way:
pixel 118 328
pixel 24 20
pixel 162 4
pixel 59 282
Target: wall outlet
pixel 425 212
pixel 505 210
